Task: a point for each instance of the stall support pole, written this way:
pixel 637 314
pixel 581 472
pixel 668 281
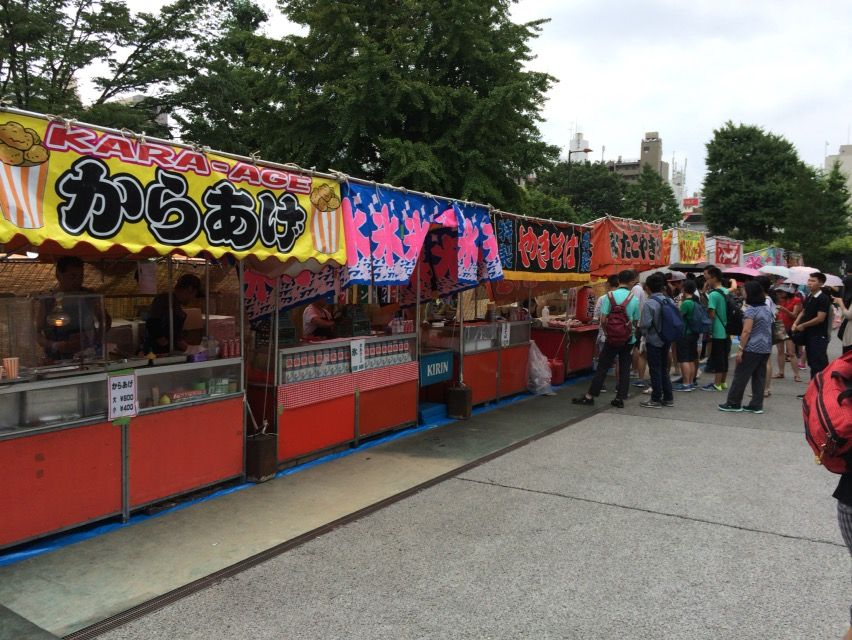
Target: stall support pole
pixel 417 332
pixel 207 296
pixel 241 307
pixel 171 306
pixel 461 337
pixel 125 471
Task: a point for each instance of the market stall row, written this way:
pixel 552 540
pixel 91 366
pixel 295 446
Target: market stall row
pixel 122 384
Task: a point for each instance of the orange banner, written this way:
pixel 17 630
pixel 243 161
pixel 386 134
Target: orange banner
pixel 627 244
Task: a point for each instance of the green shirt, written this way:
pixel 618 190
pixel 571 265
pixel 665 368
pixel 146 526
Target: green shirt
pixel 687 308
pixel 718 302
pixel 620 295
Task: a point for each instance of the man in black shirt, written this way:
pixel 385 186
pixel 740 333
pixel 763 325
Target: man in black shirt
pixel 813 321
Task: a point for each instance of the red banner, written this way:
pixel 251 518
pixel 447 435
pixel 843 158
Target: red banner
pixel 627 244
pixel 728 253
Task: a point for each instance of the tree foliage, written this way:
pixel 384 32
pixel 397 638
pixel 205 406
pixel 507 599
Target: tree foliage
pixel 541 204
pixel 45 45
pixel 420 93
pixel 756 187
pixel 750 177
pixel 652 199
pixel 591 188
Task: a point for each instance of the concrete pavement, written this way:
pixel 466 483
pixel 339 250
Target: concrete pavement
pixel 673 523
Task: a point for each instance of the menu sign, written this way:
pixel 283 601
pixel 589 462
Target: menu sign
pixel 122 395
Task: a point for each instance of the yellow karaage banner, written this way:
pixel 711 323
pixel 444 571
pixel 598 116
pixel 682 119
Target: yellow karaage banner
pixel 68 183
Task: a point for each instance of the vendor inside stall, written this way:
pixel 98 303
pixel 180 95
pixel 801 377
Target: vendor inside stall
pixel 70 322
pixel 318 320
pixel 157 330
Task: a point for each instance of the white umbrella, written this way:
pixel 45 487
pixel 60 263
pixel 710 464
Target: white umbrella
pixel 801 277
pixel 808 270
pixel 775 270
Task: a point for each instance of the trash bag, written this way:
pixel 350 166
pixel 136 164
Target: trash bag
pixel 538 376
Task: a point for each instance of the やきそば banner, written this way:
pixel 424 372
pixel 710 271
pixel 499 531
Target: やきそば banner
pixel 543 251
pixel 70 184
pixel 627 244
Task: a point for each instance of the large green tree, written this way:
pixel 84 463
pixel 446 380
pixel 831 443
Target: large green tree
pixel 591 188
pixel 424 94
pixel 651 198
pixel 46 45
pixel 815 214
pixel 751 175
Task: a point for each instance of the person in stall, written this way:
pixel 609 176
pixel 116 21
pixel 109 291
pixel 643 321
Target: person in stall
pixel 187 288
pixel 71 325
pixel 318 321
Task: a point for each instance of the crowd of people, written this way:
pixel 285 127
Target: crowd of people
pixel 676 321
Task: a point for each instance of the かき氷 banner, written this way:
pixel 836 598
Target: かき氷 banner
pixel 69 183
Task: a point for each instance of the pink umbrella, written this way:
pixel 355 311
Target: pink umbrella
pixel 742 271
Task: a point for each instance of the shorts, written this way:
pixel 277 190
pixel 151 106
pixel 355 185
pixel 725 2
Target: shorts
pixel 687 348
pixel 719 354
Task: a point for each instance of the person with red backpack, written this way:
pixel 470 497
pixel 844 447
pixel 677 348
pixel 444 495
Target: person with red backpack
pixel 619 317
pixel 827 413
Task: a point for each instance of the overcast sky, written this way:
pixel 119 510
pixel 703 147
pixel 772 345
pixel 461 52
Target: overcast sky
pixel 683 68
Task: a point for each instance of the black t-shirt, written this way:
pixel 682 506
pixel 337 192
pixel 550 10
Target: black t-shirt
pixel 813 305
pixel 157 324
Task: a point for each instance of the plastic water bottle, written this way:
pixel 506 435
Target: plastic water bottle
pixel 545 316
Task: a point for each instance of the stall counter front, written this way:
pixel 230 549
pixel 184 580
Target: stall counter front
pixel 494 359
pixel 334 392
pixel 575 347
pixel 62 462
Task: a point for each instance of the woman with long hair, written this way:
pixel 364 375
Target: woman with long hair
pixel 753 352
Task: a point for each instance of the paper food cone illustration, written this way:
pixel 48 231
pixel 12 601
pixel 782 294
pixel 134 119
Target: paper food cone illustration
pixel 23 174
pixel 325 225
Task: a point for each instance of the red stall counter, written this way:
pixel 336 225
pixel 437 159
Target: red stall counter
pixel 333 392
pixel 495 358
pixel 59 479
pixel 576 348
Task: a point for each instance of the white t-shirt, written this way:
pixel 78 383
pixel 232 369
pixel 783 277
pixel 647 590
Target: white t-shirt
pixel 312 313
pixel 638 292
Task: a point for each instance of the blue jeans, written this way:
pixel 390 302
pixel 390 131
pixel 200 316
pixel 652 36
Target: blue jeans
pixel 658 364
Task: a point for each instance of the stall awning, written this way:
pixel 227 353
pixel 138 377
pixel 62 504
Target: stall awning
pixel 66 186
pixel 618 244
pixel 535 250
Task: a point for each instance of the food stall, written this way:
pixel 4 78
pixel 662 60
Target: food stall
pixel 122 384
pixel 543 258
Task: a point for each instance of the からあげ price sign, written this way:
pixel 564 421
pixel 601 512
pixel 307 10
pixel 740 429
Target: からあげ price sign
pixel 67 183
pixel 536 250
pixel 121 391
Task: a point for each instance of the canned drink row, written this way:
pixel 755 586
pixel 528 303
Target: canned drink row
pixel 316 364
pixel 388 352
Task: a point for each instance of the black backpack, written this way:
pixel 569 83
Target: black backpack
pixel 733 322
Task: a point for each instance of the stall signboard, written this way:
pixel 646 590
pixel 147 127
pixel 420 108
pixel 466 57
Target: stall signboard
pixel 728 252
pixel 770 256
pixel 505 334
pixel 69 183
pixel 435 367
pixel 121 389
pixel 537 250
pixel 692 246
pixel 386 230
pixel 795 259
pixel 627 244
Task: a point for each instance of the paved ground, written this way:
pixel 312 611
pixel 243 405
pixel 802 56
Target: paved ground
pixel 682 523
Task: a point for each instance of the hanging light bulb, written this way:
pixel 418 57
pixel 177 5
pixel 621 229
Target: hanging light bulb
pixel 58 317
